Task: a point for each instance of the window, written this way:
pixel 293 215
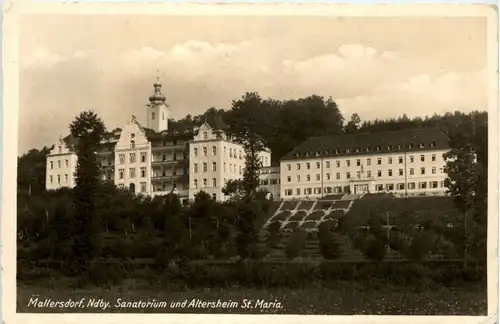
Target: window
pixel 153 115
pixel 289 167
pixel 230 152
pixel 205 135
pixel 288 179
pixel 224 166
pixel 327 164
pixel 318 177
pixel 369 174
pixel 433 157
pixel 400 186
pixel 422 158
pixel 214 150
pixel 241 172
pixel 131 172
pixel 58 163
pixel 411 185
pixel 308 177
pixel 400 160
pixel 308 191
pixel 214 182
pixel 132 158
pixel 328 176
pixel 132 144
pixel 432 144
pixel 358 162
pixel 380 187
pixel 298 166
pixel 434 184
pixel 379 173
pixel 410 146
pixel 379 161
pixel 298 178
pixel 205 151
pixel 422 170
pixel 422 145
pixel 348 175
pixel 174 157
pixel 66 178
pixel 120 173
pixel 143 172
pixel 422 185
pixel 348 163
pixel 59 149
pixel 358 175
pixel 389 160
pixel 205 167
pixel 337 176
pixel 441 170
pixel 389 186
pixel 400 172
pixel 412 171
pixel 51 165
pixel 195 183
pixel 308 166
pixel 379 147
pixel 288 192
pixel 318 165
pixel 195 151
pixel 143 187
pixel 368 161
pixel 298 191
pixel 66 163
pixel 195 168
pixel 433 170
pixel 389 172
pixel 58 179
pixel 317 191
pixel 204 183
pixel 214 166
pixel 143 157
pixel 412 158
pixel 337 164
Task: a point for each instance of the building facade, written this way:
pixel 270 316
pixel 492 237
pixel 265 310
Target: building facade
pixel 405 163
pixel 156 160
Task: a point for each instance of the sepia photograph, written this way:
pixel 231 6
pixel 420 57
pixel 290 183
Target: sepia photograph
pixel 230 160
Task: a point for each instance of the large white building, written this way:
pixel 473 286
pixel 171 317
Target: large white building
pixel 405 163
pixel 156 160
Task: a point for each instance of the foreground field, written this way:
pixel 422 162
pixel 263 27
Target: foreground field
pixel 341 298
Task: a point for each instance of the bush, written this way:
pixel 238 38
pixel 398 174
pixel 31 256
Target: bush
pixel 295 244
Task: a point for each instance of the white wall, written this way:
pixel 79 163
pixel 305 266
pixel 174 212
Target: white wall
pixel 132 132
pixel 368 164
pixel 61 166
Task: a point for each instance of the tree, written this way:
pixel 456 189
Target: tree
pixel 31 171
pixel 462 183
pixel 328 244
pixel 353 124
pixel 295 244
pixel 87 129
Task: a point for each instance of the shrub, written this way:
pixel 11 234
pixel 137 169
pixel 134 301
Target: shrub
pixel 295 244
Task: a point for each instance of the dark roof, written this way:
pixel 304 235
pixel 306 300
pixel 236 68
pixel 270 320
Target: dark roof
pixel 411 140
pixel 216 122
pixel 176 133
pixel 70 142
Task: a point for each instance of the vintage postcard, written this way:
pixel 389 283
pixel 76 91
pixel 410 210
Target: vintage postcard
pixel 251 160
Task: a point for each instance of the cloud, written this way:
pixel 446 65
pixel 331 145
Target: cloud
pixel 45 59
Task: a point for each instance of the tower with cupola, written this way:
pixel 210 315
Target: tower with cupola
pixel 157 111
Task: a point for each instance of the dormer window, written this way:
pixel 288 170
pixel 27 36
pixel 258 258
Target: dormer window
pixel 367 149
pixel 379 148
pixel 357 149
pixel 317 153
pixel 422 145
pixel 205 135
pixel 410 146
pixel 132 135
pixel 336 151
pixel 399 146
pixel 297 154
pixel 347 151
pixel 432 144
pixel 327 152
pixel 389 147
pixel 132 144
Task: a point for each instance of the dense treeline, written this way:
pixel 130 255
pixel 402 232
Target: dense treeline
pixel 97 221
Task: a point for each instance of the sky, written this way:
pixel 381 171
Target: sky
pixel 378 67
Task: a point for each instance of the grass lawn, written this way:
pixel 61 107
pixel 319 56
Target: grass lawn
pixel 341 298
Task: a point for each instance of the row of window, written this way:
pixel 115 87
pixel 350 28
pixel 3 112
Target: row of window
pixel 378 148
pixel 267 182
pixel 411 159
pixel 232 167
pixel 142 186
pixel 163 157
pixel 51 179
pixel 205 183
pixel 232 152
pixel 131 173
pixel 132 158
pixel 378 188
pixel 59 163
pixel 360 174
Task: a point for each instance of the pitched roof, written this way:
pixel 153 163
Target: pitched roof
pixel 370 143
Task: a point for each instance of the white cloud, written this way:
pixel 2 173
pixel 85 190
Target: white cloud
pixel 44 58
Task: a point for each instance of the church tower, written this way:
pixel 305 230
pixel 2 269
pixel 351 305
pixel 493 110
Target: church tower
pixel 158 112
